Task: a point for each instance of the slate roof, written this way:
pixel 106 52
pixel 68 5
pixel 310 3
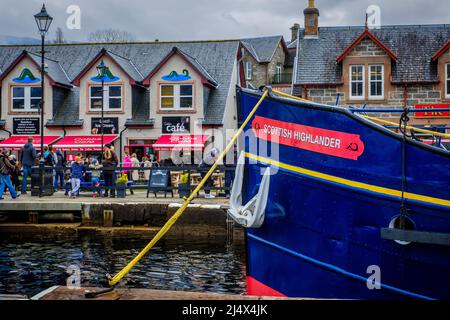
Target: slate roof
pixel 140 109
pixel 54 69
pixel 414 46
pixel 216 57
pixel 262 48
pixel 128 66
pixel 200 68
pixel 68 113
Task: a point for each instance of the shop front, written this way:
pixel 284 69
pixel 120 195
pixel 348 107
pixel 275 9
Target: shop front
pixel 141 147
pixel 16 143
pixel 87 146
pixel 180 148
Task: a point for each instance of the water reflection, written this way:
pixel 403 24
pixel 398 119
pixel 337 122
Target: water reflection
pixel 30 266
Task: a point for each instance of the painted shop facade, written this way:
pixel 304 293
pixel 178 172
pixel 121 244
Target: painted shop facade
pixel 158 97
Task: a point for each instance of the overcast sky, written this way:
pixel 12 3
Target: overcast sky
pixel 209 19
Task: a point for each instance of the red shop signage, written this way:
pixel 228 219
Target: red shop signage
pixel 433 114
pixel 333 143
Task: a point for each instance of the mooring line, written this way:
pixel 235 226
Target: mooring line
pixel 114 280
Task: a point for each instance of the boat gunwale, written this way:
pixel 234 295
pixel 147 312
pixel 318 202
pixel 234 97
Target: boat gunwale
pixel 345 111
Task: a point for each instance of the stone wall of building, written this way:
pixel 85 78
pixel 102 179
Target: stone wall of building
pixel 279 58
pixel 417 94
pixel 367 48
pixel 259 71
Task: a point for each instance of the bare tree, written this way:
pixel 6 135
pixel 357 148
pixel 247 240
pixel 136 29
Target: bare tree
pixel 111 35
pixel 59 36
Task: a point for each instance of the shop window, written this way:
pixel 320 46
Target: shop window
pixel 447 81
pixel 177 97
pixel 357 82
pixel 26 98
pixel 112 98
pixel 376 84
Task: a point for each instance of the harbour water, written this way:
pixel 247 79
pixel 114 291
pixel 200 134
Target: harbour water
pixel 30 265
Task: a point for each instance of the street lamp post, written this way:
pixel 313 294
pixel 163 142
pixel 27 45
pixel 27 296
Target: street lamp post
pixel 43 21
pixel 101 75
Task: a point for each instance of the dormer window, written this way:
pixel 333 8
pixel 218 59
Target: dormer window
pixel 112 98
pixel 176 97
pixel 26 98
pixel 249 71
pixel 376 82
pixel 447 80
pixel 357 82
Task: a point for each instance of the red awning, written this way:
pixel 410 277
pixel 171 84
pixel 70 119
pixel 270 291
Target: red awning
pixel 84 143
pixel 169 142
pixel 17 142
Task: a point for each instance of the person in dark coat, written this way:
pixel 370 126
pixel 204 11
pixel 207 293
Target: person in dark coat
pixel 60 168
pixel 110 162
pixel 5 170
pixel 15 173
pixel 27 159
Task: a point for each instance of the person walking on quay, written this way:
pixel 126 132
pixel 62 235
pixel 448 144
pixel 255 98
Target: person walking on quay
pixel 5 170
pixel 60 168
pixel 77 174
pixel 15 173
pixel 110 162
pixel 27 159
pixel 205 164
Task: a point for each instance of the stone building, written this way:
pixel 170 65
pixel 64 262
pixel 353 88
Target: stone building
pixel 389 67
pixel 265 61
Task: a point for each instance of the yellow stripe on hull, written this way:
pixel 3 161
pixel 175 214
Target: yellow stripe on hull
pixel 350 183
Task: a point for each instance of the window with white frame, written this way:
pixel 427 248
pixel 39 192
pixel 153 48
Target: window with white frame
pixel 357 82
pixel 447 80
pixel 176 97
pixel 25 99
pixel 376 82
pixel 278 73
pixel 248 70
pixel 112 98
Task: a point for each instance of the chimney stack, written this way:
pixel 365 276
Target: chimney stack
pixel 294 32
pixel 311 20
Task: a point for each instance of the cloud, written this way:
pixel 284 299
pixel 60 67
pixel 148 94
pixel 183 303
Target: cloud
pixel 209 19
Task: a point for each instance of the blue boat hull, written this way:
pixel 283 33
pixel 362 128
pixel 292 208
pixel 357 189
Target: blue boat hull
pixel 321 237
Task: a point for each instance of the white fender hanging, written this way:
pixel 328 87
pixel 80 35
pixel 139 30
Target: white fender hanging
pixel 250 215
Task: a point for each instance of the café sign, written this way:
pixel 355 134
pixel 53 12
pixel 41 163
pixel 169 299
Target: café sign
pixel 176 124
pixel 433 114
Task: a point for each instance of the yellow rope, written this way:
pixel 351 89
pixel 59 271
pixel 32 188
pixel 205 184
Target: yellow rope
pixel 434 133
pixel 181 210
pixel 445 135
pixel 287 95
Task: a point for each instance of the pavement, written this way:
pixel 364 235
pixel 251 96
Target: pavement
pixel 140 196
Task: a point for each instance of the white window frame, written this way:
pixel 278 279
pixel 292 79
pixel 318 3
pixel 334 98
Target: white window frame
pixel 27 99
pixel 371 97
pixel 106 98
pixel 176 96
pixel 362 97
pixel 278 72
pixel 447 81
pixel 248 70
